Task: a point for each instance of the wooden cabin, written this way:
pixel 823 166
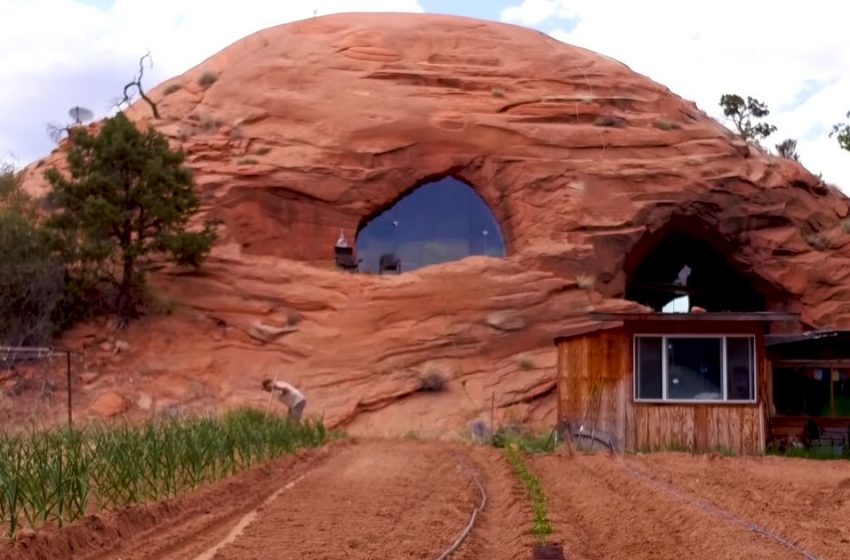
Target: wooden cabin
pixel 676 381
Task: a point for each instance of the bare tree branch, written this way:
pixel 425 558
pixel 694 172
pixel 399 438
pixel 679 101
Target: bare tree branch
pixel 57 132
pixel 137 83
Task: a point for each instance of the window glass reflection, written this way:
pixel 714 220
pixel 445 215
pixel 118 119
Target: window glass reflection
pixel 438 222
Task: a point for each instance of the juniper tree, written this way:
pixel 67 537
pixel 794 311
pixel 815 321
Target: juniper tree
pixel 842 133
pixel 128 198
pixel 31 278
pixel 745 115
pixel 788 149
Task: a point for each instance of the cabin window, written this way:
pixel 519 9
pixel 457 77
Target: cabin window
pixel 694 368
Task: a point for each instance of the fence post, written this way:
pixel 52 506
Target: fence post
pixel 68 374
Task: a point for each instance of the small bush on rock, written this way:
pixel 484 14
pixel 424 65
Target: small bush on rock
pixel 432 382
pixel 207 79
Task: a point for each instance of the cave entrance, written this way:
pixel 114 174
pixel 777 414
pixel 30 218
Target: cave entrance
pixel 437 222
pixel 676 269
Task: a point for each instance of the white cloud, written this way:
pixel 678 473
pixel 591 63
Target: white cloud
pixel 58 53
pixel 55 54
pixel 770 50
pixel 531 12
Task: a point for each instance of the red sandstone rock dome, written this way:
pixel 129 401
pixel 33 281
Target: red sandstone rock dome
pixel 301 130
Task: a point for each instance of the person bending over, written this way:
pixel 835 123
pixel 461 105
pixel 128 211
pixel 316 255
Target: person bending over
pixel 288 395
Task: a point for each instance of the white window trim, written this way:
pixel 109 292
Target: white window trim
pixel 723 376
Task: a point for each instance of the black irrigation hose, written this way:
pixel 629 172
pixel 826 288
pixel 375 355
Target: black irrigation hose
pixel 713 510
pixel 465 532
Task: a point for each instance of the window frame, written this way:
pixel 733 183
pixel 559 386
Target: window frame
pixel 724 376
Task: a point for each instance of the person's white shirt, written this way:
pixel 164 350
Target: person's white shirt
pixel 289 395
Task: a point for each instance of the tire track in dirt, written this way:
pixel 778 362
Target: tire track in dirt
pixel 377 499
pixel 600 511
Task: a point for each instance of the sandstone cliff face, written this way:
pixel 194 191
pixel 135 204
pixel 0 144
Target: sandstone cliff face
pixel 316 126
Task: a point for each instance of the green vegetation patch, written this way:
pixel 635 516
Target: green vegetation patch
pixel 57 476
pixel 526 442
pixel 540 526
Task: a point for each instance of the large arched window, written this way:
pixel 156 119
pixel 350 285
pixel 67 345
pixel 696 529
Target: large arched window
pixel 438 222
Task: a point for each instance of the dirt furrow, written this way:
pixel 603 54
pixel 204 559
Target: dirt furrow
pixel 503 530
pixel 804 501
pixel 379 499
pixel 601 511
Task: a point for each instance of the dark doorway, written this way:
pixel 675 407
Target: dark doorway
pixel 438 222
pixel 680 271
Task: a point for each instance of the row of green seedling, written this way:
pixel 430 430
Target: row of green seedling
pixel 57 476
pixel 540 526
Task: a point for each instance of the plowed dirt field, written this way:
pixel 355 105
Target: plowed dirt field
pixel 403 499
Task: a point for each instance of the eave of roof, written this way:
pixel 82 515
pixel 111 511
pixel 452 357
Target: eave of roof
pixel 756 316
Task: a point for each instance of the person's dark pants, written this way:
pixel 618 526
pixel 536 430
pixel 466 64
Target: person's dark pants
pixel 298 410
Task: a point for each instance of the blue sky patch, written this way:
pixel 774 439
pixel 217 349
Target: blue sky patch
pixel 810 88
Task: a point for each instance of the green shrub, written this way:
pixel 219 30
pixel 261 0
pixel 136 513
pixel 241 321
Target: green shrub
pixel 207 79
pixel 172 88
pixel 527 442
pixel 813 453
pixel 432 382
pixel 209 123
pixel 525 363
pixel 9 181
pixel 609 121
pixel 32 279
pixel 666 125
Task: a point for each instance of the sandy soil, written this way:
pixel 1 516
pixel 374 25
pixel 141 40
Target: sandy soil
pixel 503 531
pixel 679 506
pixel 405 499
pixel 807 502
pixel 376 500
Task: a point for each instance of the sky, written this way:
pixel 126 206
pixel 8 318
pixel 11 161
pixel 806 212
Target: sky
pixel 795 56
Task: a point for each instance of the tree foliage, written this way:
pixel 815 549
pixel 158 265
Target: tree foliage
pixel 31 278
pixel 788 149
pixel 128 198
pixel 842 133
pixel 746 116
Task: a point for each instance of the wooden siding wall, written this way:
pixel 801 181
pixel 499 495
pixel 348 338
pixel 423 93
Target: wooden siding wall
pixel 700 427
pixel 598 362
pixel 602 362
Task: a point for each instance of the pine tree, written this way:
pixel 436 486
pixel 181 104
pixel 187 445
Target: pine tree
pixel 128 198
pixel 745 115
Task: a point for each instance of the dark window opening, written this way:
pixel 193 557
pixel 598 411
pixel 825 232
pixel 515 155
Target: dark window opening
pixel 694 368
pixel 438 222
pixel 649 358
pixel 740 355
pixel 681 272
pixel 811 391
